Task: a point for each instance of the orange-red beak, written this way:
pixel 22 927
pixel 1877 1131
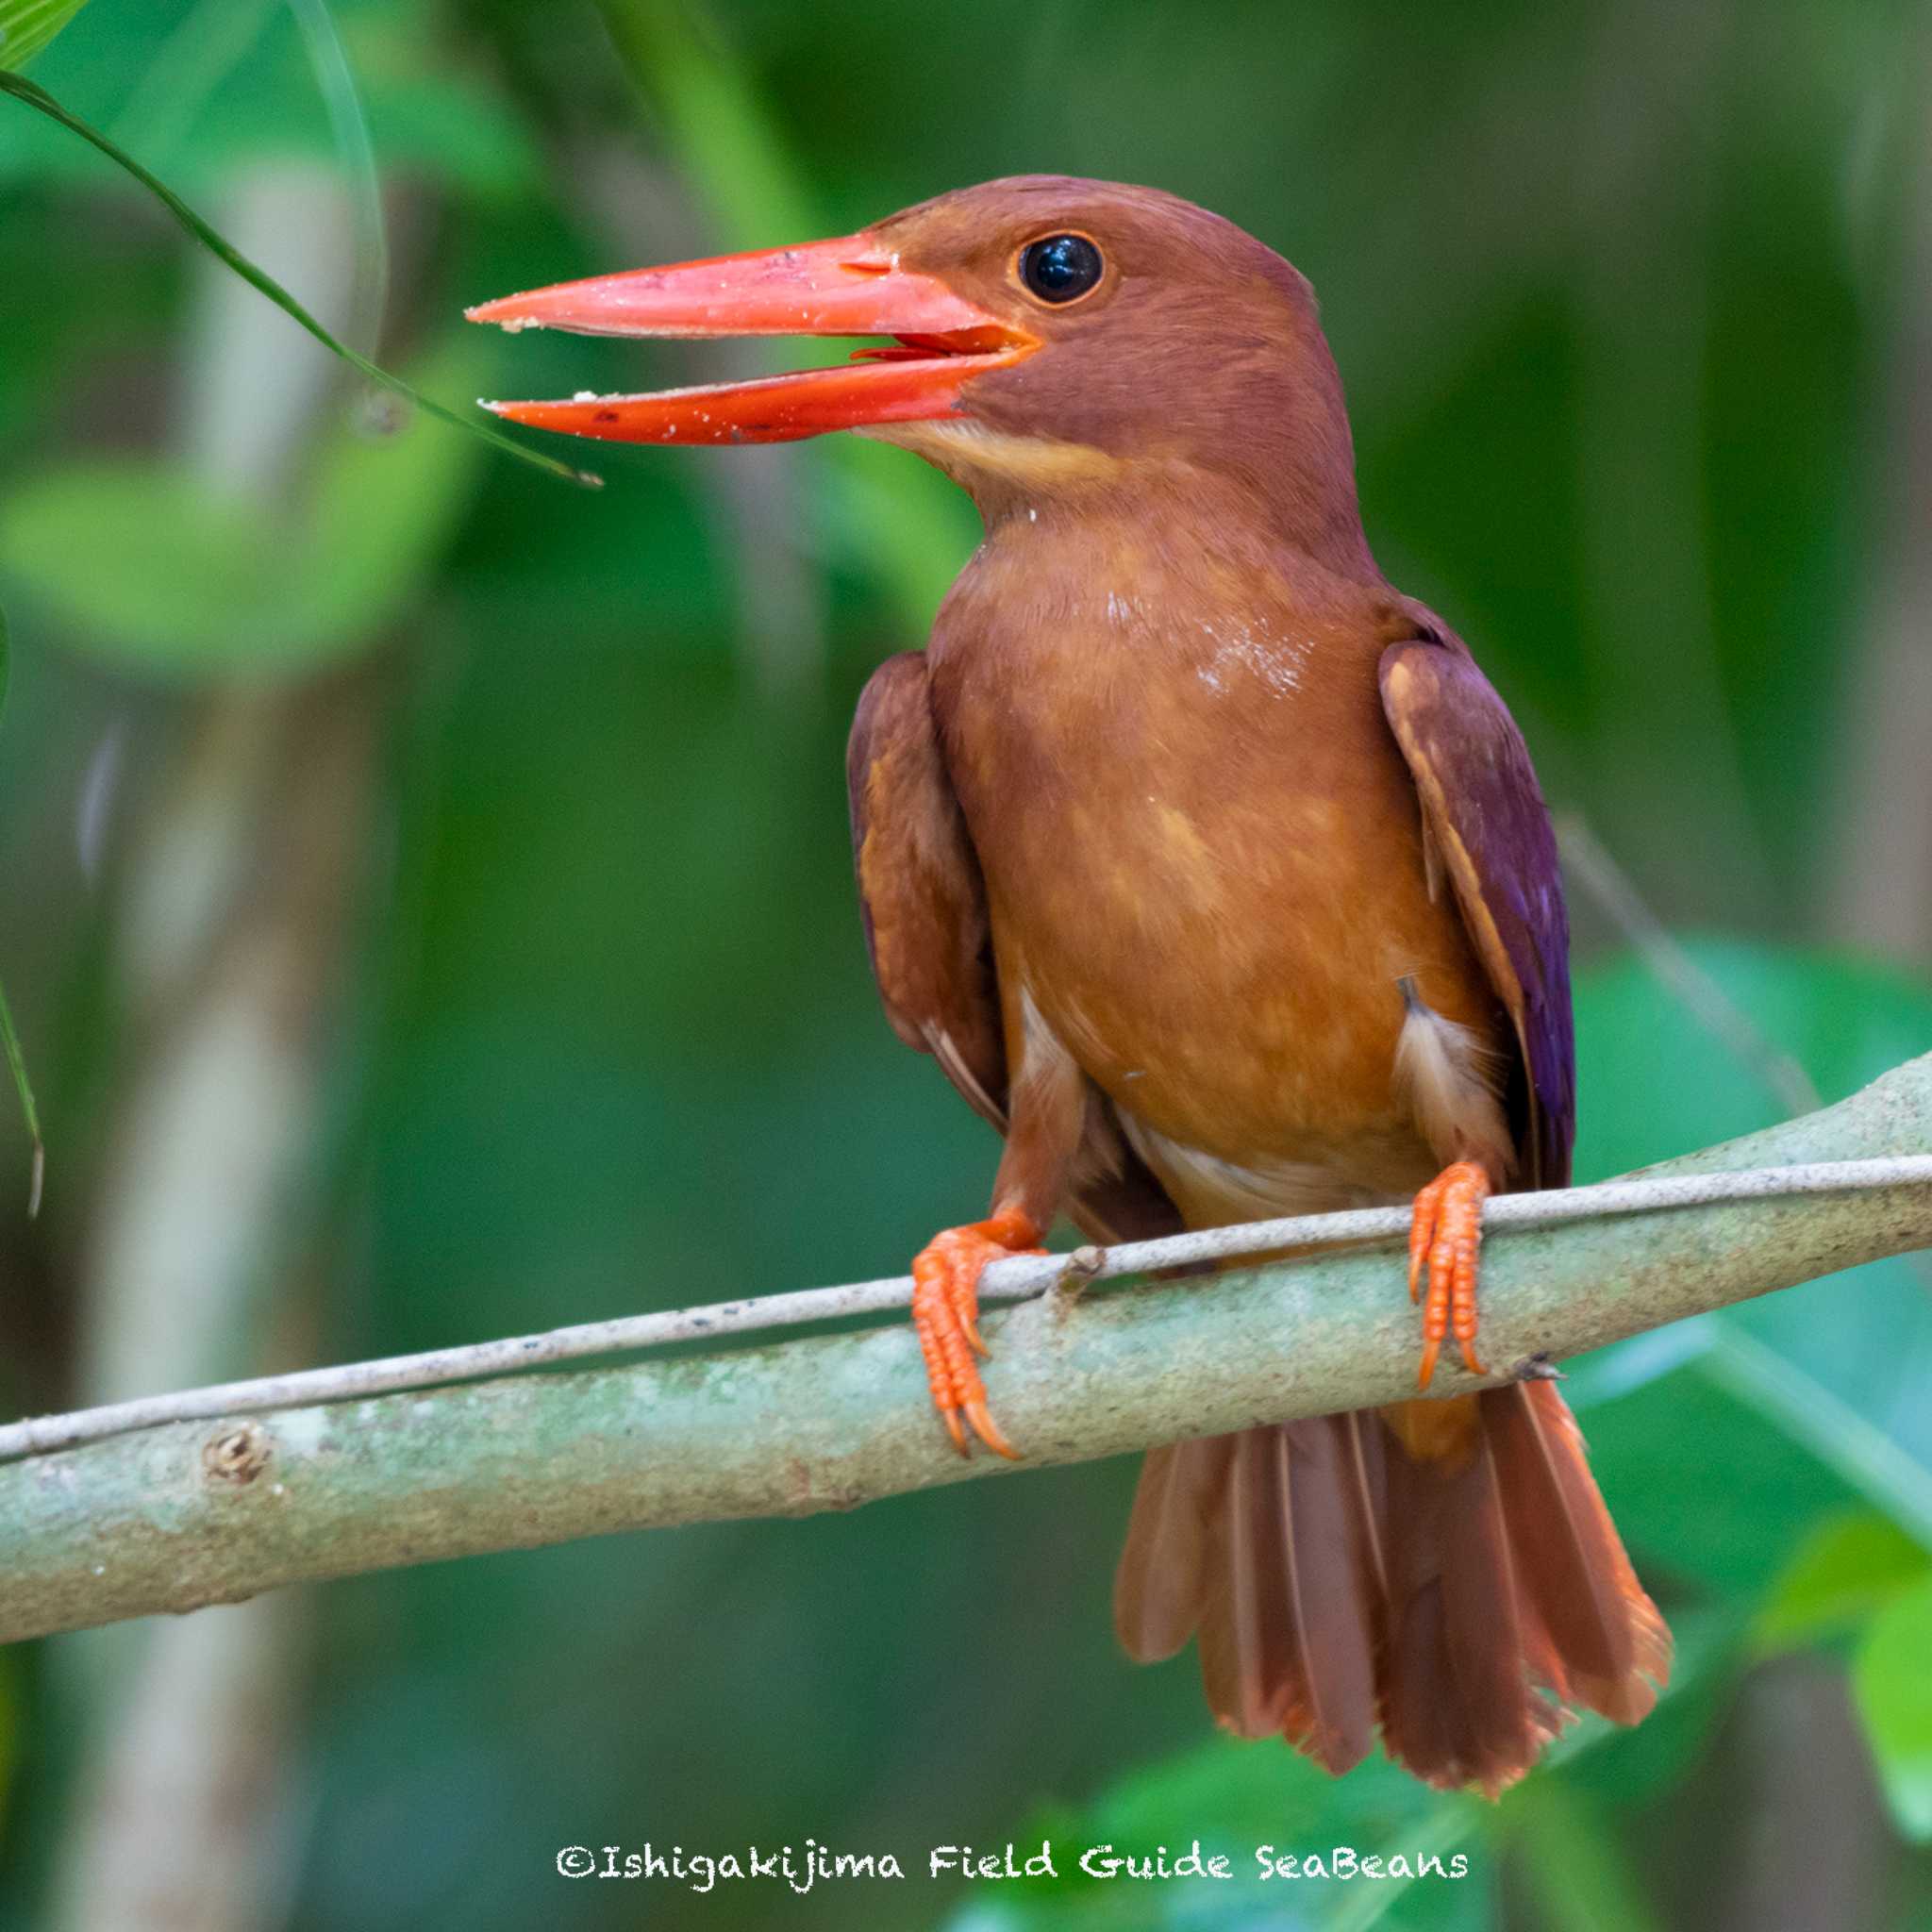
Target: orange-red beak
pixel 848 287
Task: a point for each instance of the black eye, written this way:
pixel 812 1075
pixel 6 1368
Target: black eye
pixel 1061 268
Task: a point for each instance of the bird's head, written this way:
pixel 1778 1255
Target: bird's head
pixel 1046 331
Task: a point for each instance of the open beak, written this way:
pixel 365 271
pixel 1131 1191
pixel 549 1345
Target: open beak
pixel 848 287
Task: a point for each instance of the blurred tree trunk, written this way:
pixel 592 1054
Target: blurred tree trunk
pixel 1879 894
pixel 231 929
pixel 1782 1829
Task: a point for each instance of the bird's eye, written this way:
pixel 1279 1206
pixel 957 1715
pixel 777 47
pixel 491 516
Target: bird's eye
pixel 1061 268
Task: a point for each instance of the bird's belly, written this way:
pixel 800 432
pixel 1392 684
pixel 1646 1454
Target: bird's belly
pixel 1336 1172
pixel 1228 969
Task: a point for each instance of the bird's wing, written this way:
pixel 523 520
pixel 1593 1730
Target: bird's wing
pixel 919 889
pixel 927 931
pixel 1486 826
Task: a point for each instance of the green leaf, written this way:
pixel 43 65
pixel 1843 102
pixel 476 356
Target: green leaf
pixel 1237 1795
pixel 1579 1873
pixel 1841 1362
pixel 1849 1568
pixel 27 25
pixel 1892 1689
pixel 258 278
pixel 160 572
pixel 154 573
pixel 382 509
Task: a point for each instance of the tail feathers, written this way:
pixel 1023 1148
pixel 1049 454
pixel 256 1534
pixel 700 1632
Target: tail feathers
pixel 1160 1589
pixel 1284 1645
pixel 1318 1489
pixel 1463 1635
pixel 1354 1571
pixel 1611 1645
pixel 1265 1545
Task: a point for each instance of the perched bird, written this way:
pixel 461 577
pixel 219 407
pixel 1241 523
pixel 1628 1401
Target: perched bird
pixel 1215 874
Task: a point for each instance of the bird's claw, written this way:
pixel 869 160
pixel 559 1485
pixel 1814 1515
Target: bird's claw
pixel 945 1316
pixel 1446 1239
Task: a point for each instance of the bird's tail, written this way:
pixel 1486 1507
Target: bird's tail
pixel 1445 1571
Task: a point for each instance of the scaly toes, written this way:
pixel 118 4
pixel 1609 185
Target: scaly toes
pixel 1446 1239
pixel 945 1316
pixel 1422 1235
pixel 942 1338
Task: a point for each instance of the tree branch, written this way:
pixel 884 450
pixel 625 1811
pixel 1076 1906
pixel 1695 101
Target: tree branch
pixel 1019 1278
pixel 188 1513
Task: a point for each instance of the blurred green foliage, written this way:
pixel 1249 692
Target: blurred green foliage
pixel 1850 1567
pixel 177 579
pixel 1895 1699
pixel 27 25
pixel 1615 292
pixel 9 1037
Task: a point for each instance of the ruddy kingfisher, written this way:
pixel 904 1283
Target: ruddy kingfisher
pixel 1215 874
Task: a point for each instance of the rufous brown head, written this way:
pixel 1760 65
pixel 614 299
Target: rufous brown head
pixel 1042 326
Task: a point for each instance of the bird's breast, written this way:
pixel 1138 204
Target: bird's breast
pixel 1203 858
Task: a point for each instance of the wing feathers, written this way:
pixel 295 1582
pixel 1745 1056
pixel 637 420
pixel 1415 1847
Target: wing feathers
pixel 931 940
pixel 920 889
pixel 1484 823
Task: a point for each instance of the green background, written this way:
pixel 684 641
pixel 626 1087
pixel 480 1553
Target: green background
pixel 426 899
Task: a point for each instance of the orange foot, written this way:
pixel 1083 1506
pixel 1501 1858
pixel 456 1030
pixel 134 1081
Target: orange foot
pixel 1446 1236
pixel 945 1316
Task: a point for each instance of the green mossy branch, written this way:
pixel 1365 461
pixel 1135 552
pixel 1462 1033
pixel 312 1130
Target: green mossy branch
pixel 184 1514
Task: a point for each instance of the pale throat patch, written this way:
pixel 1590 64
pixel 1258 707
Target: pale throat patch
pixel 963 448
